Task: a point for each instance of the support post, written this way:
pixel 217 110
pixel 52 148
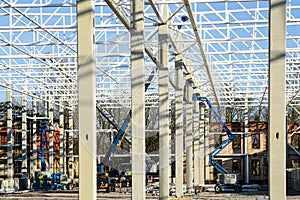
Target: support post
pixel 24 134
pixel 61 140
pixel 71 145
pixel 246 140
pixel 179 126
pixel 34 136
pixel 202 145
pixel 206 142
pixel 196 143
pixel 164 132
pixel 189 139
pixel 10 164
pixel 86 100
pixel 277 100
pixel 138 100
pixel 51 137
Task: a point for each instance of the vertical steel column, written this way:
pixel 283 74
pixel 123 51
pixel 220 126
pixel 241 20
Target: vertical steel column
pixel 51 142
pixel 10 164
pixel 179 126
pixel 71 145
pixel 189 139
pixel 87 100
pixel 138 100
pixel 24 134
pixel 61 140
pixel 246 140
pixel 277 100
pixel 196 118
pixel 206 142
pixel 34 137
pixel 202 145
pixel 164 132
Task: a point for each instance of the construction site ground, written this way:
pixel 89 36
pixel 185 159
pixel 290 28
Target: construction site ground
pixel 125 194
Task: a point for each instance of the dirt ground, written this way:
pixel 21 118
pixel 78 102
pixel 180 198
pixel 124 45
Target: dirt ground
pixel 67 195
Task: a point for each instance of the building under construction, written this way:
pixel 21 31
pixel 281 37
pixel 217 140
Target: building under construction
pixel 195 92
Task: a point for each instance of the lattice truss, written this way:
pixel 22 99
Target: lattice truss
pixel 224 46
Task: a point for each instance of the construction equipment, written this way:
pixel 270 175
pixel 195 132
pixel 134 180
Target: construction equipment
pixel 226 180
pixel 45 180
pixel 105 180
pixel 122 130
pixel 121 135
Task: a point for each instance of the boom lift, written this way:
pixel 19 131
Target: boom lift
pixel 121 135
pixel 226 180
pixel 106 180
pixel 123 129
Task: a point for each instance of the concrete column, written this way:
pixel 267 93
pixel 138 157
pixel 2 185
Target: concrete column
pixel 246 140
pixel 86 100
pixel 277 100
pixel 179 126
pixel 138 100
pixel 71 145
pixel 51 142
pixel 61 140
pixel 196 118
pixel 24 134
pixel 34 136
pixel 10 164
pixel 189 139
pixel 202 145
pixel 206 142
pixel 164 131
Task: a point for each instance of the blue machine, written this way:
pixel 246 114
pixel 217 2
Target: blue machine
pixel 44 180
pixel 121 135
pixel 122 130
pixel 43 163
pixel 226 180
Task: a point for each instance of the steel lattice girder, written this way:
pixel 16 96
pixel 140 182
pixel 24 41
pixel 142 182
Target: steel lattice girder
pixel 38 49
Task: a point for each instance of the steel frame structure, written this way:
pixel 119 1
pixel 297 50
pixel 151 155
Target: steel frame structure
pixel 224 45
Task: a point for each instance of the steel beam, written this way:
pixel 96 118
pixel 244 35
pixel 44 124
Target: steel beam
pixel 198 39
